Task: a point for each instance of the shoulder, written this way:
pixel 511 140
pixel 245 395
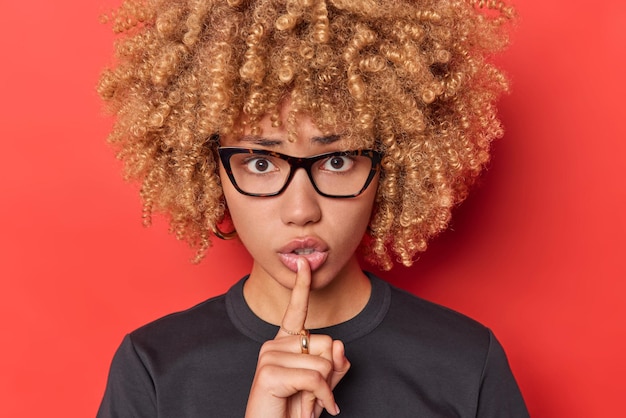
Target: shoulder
pixel 184 328
pixel 431 325
pixel 453 362
pixel 191 331
pixel 455 347
pixel 430 314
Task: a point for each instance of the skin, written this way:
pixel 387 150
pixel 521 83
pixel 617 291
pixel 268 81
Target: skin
pixel 288 383
pixel 298 292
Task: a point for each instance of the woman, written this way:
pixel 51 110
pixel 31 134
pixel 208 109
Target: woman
pixel 310 130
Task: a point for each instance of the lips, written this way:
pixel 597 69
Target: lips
pixel 314 250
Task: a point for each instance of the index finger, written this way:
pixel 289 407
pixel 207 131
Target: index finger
pixel 296 312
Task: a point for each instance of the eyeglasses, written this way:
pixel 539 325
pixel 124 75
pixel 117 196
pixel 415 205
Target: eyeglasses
pixel 261 173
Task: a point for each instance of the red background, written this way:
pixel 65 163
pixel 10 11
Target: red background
pixel 535 253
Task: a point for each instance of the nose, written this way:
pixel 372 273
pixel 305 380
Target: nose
pixel 300 202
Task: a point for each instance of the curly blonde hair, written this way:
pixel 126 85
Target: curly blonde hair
pixel 410 78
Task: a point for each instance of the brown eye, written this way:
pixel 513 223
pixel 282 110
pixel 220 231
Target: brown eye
pixel 259 165
pixel 338 164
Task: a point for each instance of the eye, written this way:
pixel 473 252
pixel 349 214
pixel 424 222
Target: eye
pixel 259 165
pixel 338 163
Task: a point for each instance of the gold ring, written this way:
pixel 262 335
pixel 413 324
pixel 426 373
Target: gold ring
pixel 293 332
pixel 304 341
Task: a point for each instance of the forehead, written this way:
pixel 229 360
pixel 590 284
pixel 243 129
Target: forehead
pixel 301 147
pixel 299 136
pixel 294 131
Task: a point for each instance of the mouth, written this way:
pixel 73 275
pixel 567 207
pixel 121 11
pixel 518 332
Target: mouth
pixel 313 250
pixel 303 251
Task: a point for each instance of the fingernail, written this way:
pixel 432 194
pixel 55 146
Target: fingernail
pixel 299 265
pixel 312 414
pixel 337 411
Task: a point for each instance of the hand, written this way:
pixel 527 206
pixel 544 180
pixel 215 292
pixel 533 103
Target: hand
pixel 288 383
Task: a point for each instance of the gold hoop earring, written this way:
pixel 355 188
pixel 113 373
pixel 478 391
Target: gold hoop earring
pixel 224 235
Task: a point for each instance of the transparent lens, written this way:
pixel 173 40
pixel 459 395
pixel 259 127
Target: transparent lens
pixel 259 173
pixel 341 175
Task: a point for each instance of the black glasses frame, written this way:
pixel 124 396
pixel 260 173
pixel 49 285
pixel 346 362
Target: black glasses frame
pixel 299 162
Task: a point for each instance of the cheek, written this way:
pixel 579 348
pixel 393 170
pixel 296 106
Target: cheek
pixel 367 206
pixel 235 201
pixel 352 220
pixel 250 217
pixel 237 208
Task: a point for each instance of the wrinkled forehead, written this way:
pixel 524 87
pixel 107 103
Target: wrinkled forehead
pixel 286 123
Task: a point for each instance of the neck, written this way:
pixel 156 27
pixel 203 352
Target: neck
pixel 330 303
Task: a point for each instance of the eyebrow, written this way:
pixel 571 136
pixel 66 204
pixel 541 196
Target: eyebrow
pixel 325 140
pixel 257 140
pixel 268 142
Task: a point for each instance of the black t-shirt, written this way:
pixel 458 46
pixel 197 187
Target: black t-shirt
pixel 409 357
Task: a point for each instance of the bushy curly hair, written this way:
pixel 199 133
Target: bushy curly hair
pixel 410 78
